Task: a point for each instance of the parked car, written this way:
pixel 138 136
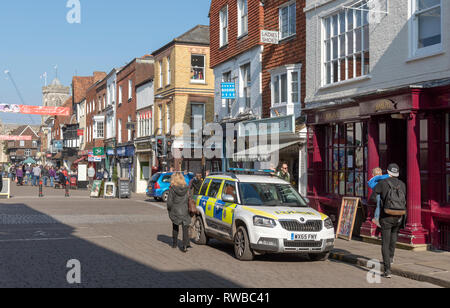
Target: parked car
pixel 159 184
pixel 260 214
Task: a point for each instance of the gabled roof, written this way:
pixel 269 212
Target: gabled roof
pixel 21 129
pixel 199 35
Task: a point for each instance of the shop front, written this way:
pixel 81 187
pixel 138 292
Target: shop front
pixel 125 163
pixel 144 164
pixel 409 127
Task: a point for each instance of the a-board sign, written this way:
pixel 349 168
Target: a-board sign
pixel 6 189
pixel 110 190
pixel 124 188
pixel 347 218
pixel 95 190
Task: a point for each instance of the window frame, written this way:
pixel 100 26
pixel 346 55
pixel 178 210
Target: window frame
pixel 168 74
pixel 246 84
pixel 198 67
pixel 334 58
pixel 289 6
pixel 193 128
pixel 416 51
pixel 242 16
pixel 224 24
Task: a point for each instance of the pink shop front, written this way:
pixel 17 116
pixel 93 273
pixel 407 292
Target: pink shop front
pixel 410 127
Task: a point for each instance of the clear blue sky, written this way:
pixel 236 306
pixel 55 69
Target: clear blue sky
pixel 35 36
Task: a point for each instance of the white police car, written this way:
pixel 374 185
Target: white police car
pixel 260 214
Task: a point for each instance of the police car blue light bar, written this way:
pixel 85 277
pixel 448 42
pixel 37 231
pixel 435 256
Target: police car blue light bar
pixel 251 170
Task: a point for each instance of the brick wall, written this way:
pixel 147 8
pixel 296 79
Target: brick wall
pixel 235 46
pixel 289 51
pixel 128 107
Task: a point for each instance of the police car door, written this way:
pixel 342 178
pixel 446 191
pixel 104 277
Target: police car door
pixel 211 213
pixel 225 210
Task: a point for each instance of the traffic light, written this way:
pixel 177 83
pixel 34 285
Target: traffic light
pixel 160 147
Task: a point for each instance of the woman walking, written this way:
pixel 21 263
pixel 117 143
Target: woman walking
pixel 178 207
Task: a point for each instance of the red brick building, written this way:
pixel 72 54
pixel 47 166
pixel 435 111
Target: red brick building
pixel 18 151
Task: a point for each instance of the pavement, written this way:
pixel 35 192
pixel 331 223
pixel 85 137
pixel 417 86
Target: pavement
pixel 427 266
pixel 127 243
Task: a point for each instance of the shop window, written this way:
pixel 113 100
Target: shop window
pixel 346 159
pixel 382 146
pixel 423 159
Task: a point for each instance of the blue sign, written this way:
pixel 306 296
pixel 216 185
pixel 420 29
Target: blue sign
pixel 228 90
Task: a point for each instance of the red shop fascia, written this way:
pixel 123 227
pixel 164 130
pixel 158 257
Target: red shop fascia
pixel 409 126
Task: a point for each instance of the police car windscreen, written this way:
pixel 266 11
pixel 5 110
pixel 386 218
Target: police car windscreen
pixel 265 194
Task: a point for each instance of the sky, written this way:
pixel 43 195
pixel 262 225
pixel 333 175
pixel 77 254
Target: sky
pixel 35 36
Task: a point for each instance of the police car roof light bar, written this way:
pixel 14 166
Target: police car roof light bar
pixel 267 172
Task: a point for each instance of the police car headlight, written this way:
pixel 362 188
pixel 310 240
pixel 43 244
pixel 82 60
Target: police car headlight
pixel 259 221
pixel 328 223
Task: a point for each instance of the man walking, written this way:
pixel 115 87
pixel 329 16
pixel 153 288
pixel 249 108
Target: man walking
pixel 36 175
pixel 393 197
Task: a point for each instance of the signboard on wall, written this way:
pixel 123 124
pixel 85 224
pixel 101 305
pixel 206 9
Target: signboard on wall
pixel 228 90
pixel 270 37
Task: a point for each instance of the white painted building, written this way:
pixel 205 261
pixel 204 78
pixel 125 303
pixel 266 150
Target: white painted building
pixel 397 43
pixel 246 71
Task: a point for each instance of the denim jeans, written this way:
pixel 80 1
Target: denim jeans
pixel 52 184
pixel 378 210
pixel 45 180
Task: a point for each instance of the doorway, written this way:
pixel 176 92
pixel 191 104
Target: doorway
pixel 393 144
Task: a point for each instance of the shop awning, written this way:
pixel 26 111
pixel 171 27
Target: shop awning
pixel 261 153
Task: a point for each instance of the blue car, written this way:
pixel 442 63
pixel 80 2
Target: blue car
pixel 159 184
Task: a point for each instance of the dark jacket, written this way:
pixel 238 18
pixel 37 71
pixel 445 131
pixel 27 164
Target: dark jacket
pixel 177 205
pixel 382 189
pixel 195 186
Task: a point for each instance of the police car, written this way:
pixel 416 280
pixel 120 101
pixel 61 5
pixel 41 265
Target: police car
pixel 260 214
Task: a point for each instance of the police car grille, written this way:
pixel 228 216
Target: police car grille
pixel 297 226
pixel 302 244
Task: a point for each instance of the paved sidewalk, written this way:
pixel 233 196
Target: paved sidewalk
pixel 427 266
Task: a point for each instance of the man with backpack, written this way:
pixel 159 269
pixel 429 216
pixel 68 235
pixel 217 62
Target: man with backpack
pixel 393 196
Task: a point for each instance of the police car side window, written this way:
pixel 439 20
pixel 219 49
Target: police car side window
pixel 214 188
pixel 204 187
pixel 230 189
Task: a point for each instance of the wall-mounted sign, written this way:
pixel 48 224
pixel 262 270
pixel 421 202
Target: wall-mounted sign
pixel 228 90
pixel 269 37
pixel 385 105
pixel 98 151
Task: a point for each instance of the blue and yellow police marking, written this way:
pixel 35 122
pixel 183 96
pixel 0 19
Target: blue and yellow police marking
pixel 228 213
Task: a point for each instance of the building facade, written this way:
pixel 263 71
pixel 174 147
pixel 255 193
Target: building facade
pixel 378 93
pixel 184 94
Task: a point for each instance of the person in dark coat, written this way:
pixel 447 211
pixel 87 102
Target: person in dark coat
pixel 178 207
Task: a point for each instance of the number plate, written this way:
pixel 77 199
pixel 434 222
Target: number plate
pixel 303 237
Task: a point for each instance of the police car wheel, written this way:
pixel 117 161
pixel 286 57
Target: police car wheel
pixel 200 236
pixel 319 256
pixel 242 249
pixel 165 196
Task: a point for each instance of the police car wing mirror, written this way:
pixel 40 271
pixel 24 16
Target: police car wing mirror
pixel 228 198
pixel 307 200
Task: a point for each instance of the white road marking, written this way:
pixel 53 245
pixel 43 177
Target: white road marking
pixel 154 204
pixel 55 239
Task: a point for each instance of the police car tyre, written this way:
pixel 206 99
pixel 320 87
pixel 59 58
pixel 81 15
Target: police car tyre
pixel 200 235
pixel 319 256
pixel 242 249
pixel 165 196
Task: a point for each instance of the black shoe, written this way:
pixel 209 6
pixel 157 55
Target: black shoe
pixel 184 249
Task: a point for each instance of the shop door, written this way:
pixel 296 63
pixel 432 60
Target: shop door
pixel 397 146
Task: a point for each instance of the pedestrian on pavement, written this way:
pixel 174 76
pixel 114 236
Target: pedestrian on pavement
pixel 91 175
pixel 178 208
pixel 19 174
pixel 45 176
pixel 378 176
pixel 27 173
pixel 284 173
pixel 52 175
pixel 36 175
pixel 393 197
pixel 196 184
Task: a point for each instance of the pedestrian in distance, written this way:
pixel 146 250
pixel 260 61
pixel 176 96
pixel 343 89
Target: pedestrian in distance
pixel 178 208
pixel 377 177
pixel 393 200
pixel 19 174
pixel 91 175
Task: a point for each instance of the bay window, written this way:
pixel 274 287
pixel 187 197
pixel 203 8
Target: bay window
pixel 285 89
pixel 346 45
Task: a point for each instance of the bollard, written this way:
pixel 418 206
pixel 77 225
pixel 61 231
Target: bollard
pixel 40 190
pixel 67 189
